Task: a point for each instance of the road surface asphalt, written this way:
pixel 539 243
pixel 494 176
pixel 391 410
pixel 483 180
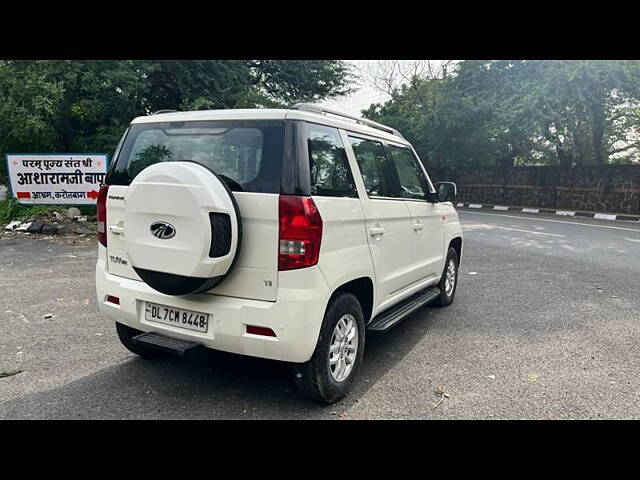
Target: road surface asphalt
pixel 545 324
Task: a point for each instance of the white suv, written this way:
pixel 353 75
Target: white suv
pixel 282 234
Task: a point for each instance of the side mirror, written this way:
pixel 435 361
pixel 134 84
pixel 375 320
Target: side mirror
pixel 446 191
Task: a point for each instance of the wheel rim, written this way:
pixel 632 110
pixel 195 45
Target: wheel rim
pixel 343 348
pixel 450 278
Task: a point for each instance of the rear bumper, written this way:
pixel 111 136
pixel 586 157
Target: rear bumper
pixel 296 316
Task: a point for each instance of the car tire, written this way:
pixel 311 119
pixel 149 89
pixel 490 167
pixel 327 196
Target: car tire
pixel 125 334
pixel 449 274
pixel 320 377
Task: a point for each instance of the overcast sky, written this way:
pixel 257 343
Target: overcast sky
pixel 363 96
pixel 365 93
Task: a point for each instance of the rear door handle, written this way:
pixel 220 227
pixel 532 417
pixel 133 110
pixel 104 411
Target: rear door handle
pixel 116 230
pixel 376 231
pixel 418 226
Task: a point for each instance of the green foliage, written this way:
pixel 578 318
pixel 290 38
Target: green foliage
pixel 10 210
pixel 416 110
pixel 84 106
pixel 510 113
pixel 292 81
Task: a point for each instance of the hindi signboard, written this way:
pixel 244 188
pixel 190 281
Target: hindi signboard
pixel 72 178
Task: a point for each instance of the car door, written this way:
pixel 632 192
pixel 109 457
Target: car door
pixel 344 250
pixel 387 219
pixel 427 218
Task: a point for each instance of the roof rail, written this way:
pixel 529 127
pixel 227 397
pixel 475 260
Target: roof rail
pixel 163 111
pixel 308 107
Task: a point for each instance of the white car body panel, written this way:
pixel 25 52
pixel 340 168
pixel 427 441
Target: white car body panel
pixel 269 114
pixel 402 266
pixel 427 238
pixel 255 274
pixel 295 318
pixel 452 227
pixel 390 251
pixel 344 254
pixel 292 303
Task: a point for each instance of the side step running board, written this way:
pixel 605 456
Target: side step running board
pixel 167 344
pixel 387 319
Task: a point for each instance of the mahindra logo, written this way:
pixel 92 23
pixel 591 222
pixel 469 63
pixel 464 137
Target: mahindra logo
pixel 162 230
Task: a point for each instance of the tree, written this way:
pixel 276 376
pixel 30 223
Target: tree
pixel 81 106
pixel 417 94
pixel 583 108
pixel 389 76
pixel 486 115
pixel 506 113
pixel 287 82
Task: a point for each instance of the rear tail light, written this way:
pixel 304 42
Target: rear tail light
pixel 102 214
pixel 300 232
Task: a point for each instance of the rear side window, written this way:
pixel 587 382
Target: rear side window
pixel 373 165
pixel 246 155
pixel 413 183
pixel 329 168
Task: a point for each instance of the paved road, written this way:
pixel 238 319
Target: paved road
pixel 545 324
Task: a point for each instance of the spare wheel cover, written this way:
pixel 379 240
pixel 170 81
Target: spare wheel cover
pixel 182 227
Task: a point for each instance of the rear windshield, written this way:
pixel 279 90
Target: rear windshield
pixel 247 155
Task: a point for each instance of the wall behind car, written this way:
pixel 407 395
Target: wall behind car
pixel 610 188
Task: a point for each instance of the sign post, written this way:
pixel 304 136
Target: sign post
pixel 59 179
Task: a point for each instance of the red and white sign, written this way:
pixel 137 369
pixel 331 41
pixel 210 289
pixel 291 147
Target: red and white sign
pixel 74 179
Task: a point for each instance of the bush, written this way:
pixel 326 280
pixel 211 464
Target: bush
pixel 10 210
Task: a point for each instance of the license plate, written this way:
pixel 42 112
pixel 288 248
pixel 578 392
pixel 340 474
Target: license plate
pixel 177 317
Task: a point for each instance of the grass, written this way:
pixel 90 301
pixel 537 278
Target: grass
pixel 10 210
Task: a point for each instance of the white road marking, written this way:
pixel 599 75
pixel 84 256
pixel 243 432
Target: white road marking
pixel 565 213
pixel 529 231
pixel 474 205
pixel 498 207
pixel 531 210
pixel 604 216
pixel 555 221
pixel 491 226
